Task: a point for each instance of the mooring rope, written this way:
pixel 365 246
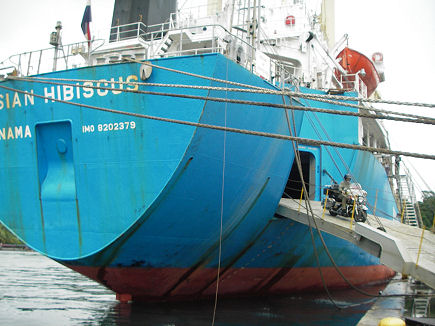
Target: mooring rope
pixel 294 139
pixel 387 113
pixel 422 120
pixel 299 166
pixel 236 130
pixel 298 94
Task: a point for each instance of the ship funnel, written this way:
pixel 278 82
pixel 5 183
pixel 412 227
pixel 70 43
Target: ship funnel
pixel 148 12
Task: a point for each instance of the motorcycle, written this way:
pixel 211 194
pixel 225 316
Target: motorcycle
pixel 355 195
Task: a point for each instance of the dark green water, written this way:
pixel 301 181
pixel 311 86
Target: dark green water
pixel 37 291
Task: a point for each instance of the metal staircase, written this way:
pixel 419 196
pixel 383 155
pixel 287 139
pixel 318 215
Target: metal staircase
pixel 164 46
pixel 408 198
pixel 410 214
pixel 421 307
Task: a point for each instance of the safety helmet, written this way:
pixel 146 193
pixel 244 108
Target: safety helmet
pixel 347 176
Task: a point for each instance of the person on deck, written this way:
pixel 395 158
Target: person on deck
pixel 344 187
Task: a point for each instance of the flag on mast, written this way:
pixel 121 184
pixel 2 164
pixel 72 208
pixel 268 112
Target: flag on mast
pixel 87 18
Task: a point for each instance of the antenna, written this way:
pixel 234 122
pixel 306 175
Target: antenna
pixel 55 40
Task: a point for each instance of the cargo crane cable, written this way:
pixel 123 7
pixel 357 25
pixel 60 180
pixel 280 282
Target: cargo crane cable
pixel 255 91
pixel 236 130
pixel 422 120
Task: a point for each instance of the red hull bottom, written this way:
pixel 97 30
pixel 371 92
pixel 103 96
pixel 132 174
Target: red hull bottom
pixel 168 284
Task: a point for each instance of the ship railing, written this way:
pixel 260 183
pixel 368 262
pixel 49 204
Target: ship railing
pixel 191 40
pixel 6 70
pixel 189 16
pixel 127 32
pixel 215 38
pixel 170 39
pixel 212 38
pixel 53 59
pixel 193 52
pixel 285 74
pixel 353 82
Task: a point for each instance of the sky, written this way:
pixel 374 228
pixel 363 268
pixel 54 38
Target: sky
pixel 403 30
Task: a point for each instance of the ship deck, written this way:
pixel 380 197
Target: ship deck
pixel 397 248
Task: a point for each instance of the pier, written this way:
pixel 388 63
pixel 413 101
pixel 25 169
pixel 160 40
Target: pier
pixel 405 249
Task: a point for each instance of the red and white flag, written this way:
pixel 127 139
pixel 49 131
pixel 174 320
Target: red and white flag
pixel 87 18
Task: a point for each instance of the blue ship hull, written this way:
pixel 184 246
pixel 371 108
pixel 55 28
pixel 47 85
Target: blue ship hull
pixel 330 164
pixel 151 208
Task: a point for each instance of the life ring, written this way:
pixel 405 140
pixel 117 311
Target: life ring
pixel 377 57
pixel 290 20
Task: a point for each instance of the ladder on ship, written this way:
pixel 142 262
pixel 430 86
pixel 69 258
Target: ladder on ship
pixel 421 307
pixel 410 216
pixel 407 195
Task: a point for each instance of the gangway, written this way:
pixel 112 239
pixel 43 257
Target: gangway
pixel 396 248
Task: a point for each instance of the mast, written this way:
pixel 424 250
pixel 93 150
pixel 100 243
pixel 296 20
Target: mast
pixel 254 23
pixel 56 41
pixel 258 23
pixel 328 22
pixel 231 16
pixel 253 29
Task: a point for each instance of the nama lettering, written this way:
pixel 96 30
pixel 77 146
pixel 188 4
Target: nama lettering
pixel 15 132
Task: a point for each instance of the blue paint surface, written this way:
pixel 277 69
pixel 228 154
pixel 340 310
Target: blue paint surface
pixel 86 191
pixel 363 166
pixel 152 187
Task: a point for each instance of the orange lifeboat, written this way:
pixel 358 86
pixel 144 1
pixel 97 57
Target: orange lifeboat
pixel 354 62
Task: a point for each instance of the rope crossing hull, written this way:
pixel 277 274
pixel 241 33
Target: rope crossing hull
pixel 148 207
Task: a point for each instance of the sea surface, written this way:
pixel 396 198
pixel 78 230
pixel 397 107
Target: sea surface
pixel 35 290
